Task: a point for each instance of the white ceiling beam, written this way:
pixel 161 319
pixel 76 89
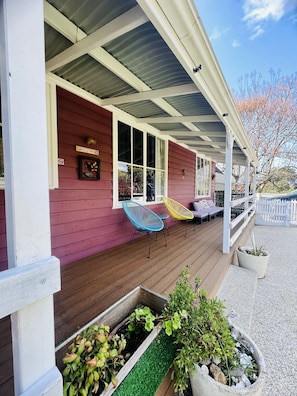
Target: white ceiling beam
pixel 117 27
pixel 184 89
pixel 203 143
pixel 68 29
pixel 175 133
pixel 166 120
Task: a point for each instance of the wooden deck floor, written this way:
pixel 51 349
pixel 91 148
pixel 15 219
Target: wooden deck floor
pixel 90 285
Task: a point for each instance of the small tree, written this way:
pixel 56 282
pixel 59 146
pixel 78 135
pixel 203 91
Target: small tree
pixel 269 113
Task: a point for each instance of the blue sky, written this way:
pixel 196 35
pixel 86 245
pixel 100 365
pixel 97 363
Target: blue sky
pixel 251 35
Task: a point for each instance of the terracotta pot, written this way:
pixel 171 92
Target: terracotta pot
pixel 254 263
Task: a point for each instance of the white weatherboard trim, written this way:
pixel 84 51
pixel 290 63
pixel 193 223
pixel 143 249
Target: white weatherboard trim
pixel 21 286
pixel 52 135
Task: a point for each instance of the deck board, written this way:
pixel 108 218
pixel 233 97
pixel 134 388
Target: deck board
pixel 91 285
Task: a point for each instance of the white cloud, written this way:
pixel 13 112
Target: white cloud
pixel 257 31
pixel 236 43
pixel 293 18
pixel 217 33
pixel 259 12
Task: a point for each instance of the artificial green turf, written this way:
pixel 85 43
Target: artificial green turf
pixel 148 373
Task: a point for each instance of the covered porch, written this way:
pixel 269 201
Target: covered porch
pixel 137 77
pixel 92 284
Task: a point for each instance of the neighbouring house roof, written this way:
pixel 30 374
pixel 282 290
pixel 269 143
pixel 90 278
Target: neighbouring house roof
pixel 151 60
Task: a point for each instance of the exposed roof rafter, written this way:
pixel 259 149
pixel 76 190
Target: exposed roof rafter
pixel 117 27
pixel 184 89
pixel 168 120
pixel 130 71
pixel 198 143
pixel 191 133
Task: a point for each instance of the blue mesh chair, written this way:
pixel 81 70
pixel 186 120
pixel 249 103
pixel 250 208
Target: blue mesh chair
pixel 143 220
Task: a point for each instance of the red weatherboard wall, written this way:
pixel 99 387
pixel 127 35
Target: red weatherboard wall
pixel 181 188
pixel 82 219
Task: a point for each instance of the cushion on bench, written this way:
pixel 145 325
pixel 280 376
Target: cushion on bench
pixel 205 207
pixel 198 206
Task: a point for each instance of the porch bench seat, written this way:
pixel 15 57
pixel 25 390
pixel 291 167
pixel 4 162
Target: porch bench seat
pixel 214 210
pixel 205 209
pixel 199 211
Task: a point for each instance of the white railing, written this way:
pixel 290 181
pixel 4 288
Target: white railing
pixel 294 212
pixel 276 212
pixel 244 215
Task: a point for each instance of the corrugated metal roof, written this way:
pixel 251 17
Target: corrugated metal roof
pixel 144 60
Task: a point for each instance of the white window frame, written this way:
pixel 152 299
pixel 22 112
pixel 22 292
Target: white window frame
pixel 52 137
pixel 116 202
pixel 205 193
pixel 52 134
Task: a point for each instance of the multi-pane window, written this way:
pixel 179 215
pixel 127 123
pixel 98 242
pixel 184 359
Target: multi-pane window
pixel 141 165
pixel 203 180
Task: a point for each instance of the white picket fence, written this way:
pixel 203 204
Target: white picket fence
pixel 276 212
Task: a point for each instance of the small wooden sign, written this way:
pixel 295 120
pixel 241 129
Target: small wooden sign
pixel 87 150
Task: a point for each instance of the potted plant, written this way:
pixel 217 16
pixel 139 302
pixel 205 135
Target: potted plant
pixel 210 353
pixel 93 359
pixel 219 358
pixel 253 258
pixel 97 360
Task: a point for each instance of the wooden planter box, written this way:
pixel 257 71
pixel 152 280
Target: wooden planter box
pixel 115 314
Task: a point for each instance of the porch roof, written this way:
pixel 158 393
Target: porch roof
pixel 151 60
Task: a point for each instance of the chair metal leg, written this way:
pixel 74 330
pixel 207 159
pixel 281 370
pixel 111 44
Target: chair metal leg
pixel 164 233
pixel 150 241
pixel 187 221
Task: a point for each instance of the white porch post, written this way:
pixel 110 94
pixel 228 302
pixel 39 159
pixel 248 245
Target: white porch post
pixel 247 182
pixel 254 180
pixel 227 193
pixel 31 268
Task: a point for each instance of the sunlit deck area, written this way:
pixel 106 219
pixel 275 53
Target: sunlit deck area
pixel 92 284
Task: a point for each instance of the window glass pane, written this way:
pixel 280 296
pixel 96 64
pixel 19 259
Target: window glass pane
pixel 124 142
pixel 160 154
pixel 160 186
pixel 124 181
pixel 203 177
pixel 206 178
pixel 137 182
pixel 137 147
pixel 136 179
pixel 151 151
pixel 150 185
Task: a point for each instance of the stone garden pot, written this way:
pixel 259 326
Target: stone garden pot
pixel 204 385
pixel 255 263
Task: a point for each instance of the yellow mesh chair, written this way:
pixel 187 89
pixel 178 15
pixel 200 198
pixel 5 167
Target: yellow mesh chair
pixel 178 211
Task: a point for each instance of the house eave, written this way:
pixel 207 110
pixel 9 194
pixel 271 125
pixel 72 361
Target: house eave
pixel 180 26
